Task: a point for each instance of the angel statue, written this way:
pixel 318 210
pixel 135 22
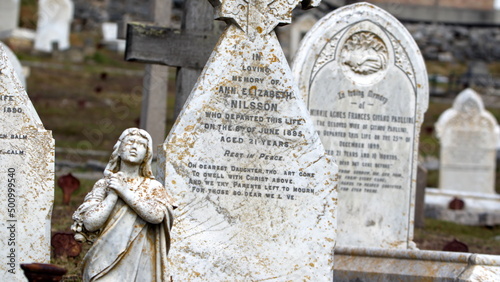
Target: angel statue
pixel 126 217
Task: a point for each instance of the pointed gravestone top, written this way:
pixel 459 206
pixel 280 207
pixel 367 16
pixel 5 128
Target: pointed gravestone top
pixel 259 199
pixel 27 175
pixel 468 135
pixel 13 91
pixel 257 16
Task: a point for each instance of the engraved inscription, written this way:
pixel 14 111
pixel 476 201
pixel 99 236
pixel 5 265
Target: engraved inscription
pixel 252 118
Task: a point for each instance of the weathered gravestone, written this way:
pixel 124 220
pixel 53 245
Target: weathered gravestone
pixel 259 201
pixel 53 27
pixel 187 49
pixel 27 178
pixel 468 135
pixel 18 68
pixel 364 82
pixel 9 16
pixel 110 37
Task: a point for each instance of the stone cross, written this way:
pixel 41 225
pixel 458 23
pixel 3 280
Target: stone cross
pixel 254 188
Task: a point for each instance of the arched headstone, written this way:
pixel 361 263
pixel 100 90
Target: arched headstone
pixel 364 81
pixel 468 136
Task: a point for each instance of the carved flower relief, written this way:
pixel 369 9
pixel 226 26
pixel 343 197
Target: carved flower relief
pixel 364 53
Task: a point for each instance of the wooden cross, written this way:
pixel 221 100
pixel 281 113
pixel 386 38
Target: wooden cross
pixel 155 84
pixel 187 49
pixel 190 48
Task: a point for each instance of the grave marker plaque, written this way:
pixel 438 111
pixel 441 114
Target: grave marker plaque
pixel 259 200
pixel 365 85
pixel 468 135
pixel 26 178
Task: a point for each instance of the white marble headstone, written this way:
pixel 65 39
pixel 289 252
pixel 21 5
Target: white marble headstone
pixel 27 178
pixel 18 68
pixel 468 136
pixel 54 22
pixel 364 81
pixel 110 37
pixel 260 198
pixel 9 16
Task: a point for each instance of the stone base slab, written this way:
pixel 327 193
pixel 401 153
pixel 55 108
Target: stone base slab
pixel 367 264
pixel 479 209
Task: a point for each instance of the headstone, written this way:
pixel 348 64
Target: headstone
pixel 18 68
pixel 187 49
pixel 109 31
pixel 365 85
pixel 9 17
pixel 254 188
pixel 54 20
pixel 27 175
pixel 468 136
pixel 110 37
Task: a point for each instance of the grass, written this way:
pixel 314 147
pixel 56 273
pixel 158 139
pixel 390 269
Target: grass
pixel 445 68
pixel 437 233
pixel 100 109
